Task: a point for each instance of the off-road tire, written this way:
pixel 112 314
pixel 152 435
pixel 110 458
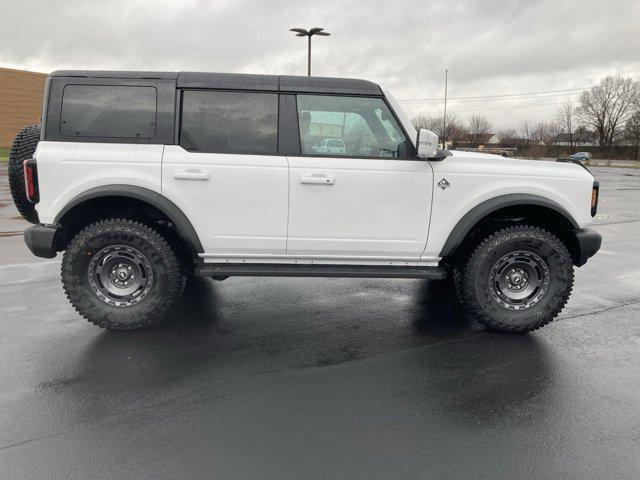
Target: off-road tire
pixel 475 290
pixel 162 258
pixel 23 148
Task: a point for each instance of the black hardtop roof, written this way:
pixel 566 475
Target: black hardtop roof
pixel 240 81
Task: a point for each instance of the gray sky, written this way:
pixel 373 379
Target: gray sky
pixel 491 47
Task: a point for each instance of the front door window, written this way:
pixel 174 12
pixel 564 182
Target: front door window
pixel 349 127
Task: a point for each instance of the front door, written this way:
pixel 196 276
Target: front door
pixel 369 202
pixel 226 175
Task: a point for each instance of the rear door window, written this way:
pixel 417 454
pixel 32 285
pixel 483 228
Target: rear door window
pixel 108 111
pixel 229 122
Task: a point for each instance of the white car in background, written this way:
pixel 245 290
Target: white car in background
pixel 331 145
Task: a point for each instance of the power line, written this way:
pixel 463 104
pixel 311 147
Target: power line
pixel 507 99
pixel 508 96
pixel 503 107
pixel 506 107
pixel 479 97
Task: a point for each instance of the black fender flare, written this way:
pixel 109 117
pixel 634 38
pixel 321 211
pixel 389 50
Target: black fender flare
pixel 480 211
pixel 178 218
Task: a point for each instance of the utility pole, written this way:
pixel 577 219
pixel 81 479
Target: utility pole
pixel 444 118
pixel 301 32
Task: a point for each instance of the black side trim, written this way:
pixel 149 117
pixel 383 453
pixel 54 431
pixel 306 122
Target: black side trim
pixel 477 213
pixel 588 243
pixel 297 270
pixel 41 240
pixel 441 155
pixel 573 160
pixel 179 219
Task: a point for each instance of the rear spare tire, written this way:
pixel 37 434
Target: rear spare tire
pixel 23 148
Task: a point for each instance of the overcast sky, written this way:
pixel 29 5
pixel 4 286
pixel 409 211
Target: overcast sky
pixel 491 47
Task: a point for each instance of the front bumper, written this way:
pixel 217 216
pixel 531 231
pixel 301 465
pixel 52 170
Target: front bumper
pixel 41 240
pixel 587 243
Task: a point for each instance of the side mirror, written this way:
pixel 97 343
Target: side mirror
pixel 427 143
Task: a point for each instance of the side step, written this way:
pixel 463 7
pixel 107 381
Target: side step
pixel 297 270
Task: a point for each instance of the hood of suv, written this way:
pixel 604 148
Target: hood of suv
pixel 486 163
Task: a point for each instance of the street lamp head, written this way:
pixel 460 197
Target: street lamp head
pixel 301 32
pixel 318 31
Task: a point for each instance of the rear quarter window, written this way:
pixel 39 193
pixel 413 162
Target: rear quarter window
pixel 108 111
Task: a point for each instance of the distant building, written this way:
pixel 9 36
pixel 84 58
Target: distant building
pixel 581 138
pixel 480 138
pixel 21 95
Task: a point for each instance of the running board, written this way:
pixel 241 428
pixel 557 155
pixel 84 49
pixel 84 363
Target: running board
pixel 306 270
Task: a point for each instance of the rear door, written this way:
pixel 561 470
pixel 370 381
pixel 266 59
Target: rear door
pixel 367 201
pixel 226 174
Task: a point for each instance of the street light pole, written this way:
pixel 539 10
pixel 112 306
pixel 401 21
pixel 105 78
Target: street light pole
pixel 309 56
pixel 301 32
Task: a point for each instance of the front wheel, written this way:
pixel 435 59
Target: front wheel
pixel 121 274
pixel 517 280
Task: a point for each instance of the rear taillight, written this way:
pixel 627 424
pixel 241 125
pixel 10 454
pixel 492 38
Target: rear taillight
pixel 31 180
pixel 595 192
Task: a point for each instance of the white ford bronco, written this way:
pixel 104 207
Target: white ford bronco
pixel 145 178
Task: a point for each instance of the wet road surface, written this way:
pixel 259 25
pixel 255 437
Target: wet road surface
pixel 325 378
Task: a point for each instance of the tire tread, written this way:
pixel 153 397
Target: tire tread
pixel 77 298
pixel 465 281
pixel 22 149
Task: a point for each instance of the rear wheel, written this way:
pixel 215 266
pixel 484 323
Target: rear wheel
pixel 24 146
pixel 121 274
pixel 516 280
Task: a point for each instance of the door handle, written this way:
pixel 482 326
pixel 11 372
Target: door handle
pixel 191 175
pixel 318 179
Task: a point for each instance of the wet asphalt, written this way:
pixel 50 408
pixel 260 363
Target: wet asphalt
pixel 324 378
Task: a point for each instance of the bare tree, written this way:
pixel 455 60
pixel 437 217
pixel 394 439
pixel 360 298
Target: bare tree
pixel 565 121
pixel 429 122
pixel 606 107
pixel 525 129
pixel 479 127
pixel 632 131
pixel 455 128
pixel 543 133
pixel 508 136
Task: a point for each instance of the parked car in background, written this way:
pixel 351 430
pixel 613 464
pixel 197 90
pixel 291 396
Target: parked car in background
pixel 580 156
pixel 331 145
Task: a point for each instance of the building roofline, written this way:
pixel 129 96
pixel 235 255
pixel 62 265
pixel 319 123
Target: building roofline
pixel 17 70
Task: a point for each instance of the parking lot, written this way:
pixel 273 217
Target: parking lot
pixel 324 378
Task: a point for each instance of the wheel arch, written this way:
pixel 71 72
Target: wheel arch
pixel 122 194
pixel 507 209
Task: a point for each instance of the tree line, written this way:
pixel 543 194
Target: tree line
pixel 607 113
